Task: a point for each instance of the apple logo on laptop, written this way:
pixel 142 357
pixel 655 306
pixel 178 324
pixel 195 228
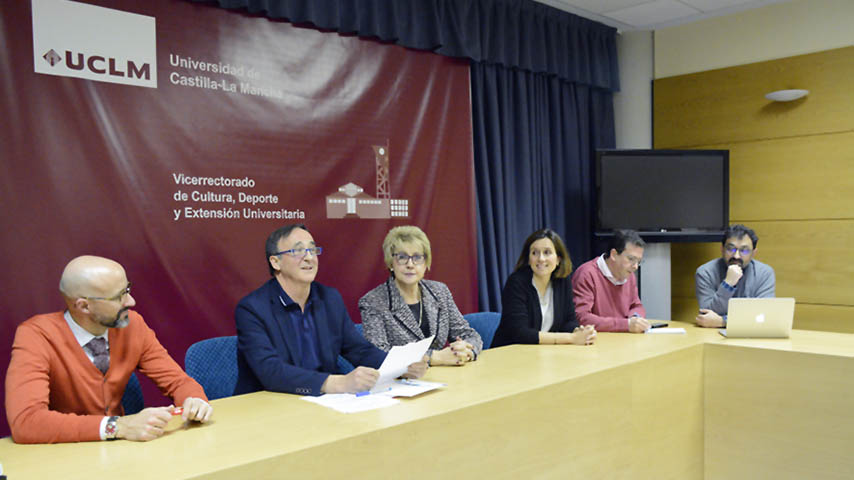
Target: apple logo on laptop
pixel 760 318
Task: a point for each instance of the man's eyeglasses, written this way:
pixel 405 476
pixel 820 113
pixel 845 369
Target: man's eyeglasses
pixel 402 259
pixel 118 296
pixel 744 251
pixel 301 252
pixel 634 260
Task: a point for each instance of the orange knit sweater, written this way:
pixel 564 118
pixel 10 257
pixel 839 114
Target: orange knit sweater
pixel 54 393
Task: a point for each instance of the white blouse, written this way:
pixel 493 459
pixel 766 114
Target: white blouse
pixel 547 307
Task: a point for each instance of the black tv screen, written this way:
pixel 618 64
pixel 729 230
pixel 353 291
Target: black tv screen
pixel 662 190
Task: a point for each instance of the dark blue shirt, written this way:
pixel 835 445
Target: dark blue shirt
pixel 304 322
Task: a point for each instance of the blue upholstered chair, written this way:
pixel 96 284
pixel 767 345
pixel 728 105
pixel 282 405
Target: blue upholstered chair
pixel 132 400
pixel 213 363
pixel 485 323
pixel 345 367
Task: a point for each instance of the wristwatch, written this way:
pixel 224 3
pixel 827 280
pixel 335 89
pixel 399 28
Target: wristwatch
pixel 111 429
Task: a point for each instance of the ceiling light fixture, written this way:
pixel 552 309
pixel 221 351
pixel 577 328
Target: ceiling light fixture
pixel 786 95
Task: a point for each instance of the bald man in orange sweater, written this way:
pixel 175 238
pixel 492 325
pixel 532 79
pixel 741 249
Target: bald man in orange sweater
pixel 69 369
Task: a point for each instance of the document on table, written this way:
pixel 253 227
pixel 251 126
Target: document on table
pixel 349 403
pixel 409 388
pixel 399 359
pixel 395 364
pixel 666 330
pixel 352 403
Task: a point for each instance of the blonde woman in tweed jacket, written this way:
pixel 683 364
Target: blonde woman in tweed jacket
pixel 406 308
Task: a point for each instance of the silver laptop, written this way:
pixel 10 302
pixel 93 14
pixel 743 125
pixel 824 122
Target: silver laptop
pixel 759 318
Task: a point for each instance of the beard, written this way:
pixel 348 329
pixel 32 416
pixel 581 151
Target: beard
pixel 121 320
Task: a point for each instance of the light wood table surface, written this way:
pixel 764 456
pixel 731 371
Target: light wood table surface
pixel 630 406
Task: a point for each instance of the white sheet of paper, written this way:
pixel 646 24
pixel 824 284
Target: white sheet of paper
pixel 666 330
pixel 410 388
pixel 399 358
pixel 349 403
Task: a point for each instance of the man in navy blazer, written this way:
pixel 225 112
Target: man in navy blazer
pixel 291 330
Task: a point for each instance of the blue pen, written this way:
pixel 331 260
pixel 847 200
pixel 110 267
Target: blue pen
pixel 368 392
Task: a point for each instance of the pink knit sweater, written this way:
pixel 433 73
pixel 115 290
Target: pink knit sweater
pixel 600 303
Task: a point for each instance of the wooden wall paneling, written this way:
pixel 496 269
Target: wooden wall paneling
pixel 801 178
pixel 684 309
pixel 728 105
pixel 811 259
pixel 684 260
pixel 829 318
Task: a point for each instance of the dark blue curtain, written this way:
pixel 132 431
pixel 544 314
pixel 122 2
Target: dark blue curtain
pixel 534 138
pixel 542 82
pixel 515 33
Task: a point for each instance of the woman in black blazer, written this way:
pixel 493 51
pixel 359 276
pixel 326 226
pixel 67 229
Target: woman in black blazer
pixel 536 302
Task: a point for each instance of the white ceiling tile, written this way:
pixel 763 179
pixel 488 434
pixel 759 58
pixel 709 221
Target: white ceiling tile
pixel 652 13
pixel 600 6
pixel 628 15
pixel 712 5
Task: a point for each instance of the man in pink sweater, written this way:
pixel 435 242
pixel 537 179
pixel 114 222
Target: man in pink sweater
pixel 69 369
pixel 606 291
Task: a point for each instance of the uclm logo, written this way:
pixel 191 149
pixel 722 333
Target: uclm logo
pixel 52 57
pixel 122 49
pixel 99 65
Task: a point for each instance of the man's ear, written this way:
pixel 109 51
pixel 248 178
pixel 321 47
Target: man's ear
pixel 274 262
pixel 82 305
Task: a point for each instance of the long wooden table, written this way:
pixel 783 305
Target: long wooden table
pixel 630 406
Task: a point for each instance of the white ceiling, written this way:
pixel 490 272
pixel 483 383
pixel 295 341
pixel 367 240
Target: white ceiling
pixel 627 15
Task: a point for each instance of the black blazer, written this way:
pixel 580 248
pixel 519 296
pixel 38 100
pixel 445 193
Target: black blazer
pixel 521 317
pixel 269 350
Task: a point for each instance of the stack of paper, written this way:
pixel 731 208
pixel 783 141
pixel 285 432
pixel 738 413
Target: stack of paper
pixel 349 403
pixel 396 364
pixel 399 359
pixel 666 330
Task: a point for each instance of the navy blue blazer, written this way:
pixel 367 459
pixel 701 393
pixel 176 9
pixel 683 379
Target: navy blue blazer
pixel 269 352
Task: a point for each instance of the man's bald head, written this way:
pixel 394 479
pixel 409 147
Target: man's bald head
pixel 91 276
pixel 97 293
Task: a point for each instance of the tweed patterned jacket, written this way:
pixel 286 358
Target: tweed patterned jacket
pixel 387 320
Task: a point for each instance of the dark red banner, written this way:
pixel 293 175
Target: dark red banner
pixel 174 137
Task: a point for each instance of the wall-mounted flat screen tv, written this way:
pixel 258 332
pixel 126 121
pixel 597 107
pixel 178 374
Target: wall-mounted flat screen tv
pixel 662 190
